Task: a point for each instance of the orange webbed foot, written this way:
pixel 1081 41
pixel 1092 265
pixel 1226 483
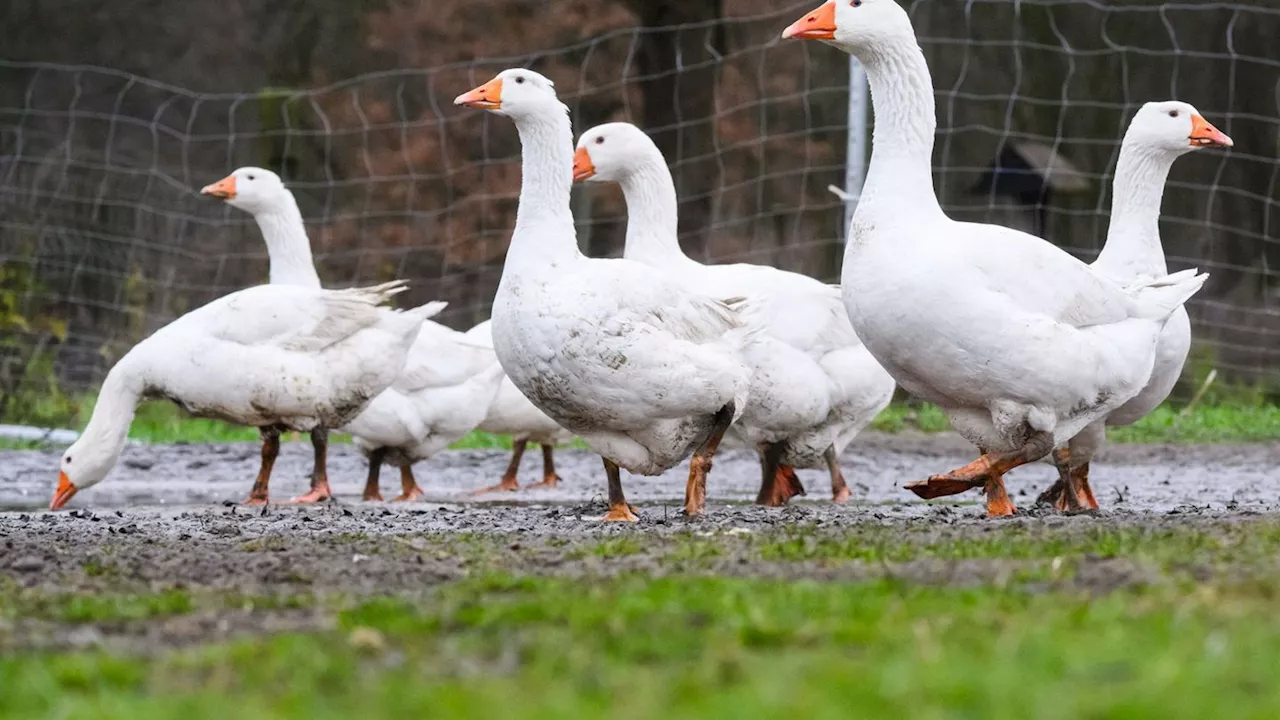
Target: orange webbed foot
pixel 408 495
pixel 508 484
pixel 317 494
pixel 785 486
pixel 549 481
pixel 620 513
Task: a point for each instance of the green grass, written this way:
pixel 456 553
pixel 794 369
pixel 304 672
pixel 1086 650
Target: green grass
pixel 1204 424
pixel 615 547
pixel 1195 636
pixel 1239 423
pixel 631 647
pixel 1233 421
pixel 899 416
pixel 76 608
pixel 91 607
pixel 1249 543
pixel 163 422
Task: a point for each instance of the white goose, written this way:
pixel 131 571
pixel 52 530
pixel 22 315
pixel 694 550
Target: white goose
pixel 814 386
pixel 512 414
pixel 1159 134
pixel 276 357
pixel 644 369
pixel 1022 345
pixel 445 385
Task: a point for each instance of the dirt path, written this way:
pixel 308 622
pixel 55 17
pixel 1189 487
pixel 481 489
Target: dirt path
pixel 1155 478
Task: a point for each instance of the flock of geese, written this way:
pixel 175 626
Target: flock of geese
pixel 655 357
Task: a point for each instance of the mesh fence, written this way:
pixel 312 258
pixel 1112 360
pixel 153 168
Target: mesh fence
pixel 104 237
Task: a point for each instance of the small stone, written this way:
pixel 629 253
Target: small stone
pixel 366 638
pixel 85 636
pixel 139 463
pixel 28 563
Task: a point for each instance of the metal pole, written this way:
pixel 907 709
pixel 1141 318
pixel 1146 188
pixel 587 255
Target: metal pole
pixel 855 168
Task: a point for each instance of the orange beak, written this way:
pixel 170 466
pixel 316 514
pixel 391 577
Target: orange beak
pixel 486 97
pixel 1205 135
pixel 224 189
pixel 817 25
pixel 582 166
pixel 66 491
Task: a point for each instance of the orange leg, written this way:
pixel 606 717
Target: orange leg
pixel 1090 501
pixel 409 489
pixel 998 502
pixel 270 450
pixel 695 491
pixel 987 472
pixel 549 477
pixel 839 488
pixel 371 490
pixel 319 474
pixel 619 510
pixel 1078 490
pixel 778 482
pixel 1055 494
pixel 1071 493
pixel 508 482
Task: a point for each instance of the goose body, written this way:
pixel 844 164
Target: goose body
pixel 642 368
pixel 1021 344
pixel 269 356
pixel 1158 135
pixel 445 383
pixel 512 414
pixel 814 385
pixel 441 395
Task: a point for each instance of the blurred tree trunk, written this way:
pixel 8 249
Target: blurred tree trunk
pixel 678 70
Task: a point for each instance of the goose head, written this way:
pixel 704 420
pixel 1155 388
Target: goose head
pixel 515 93
pixel 854 24
pixel 84 464
pixel 251 189
pixel 610 152
pixel 1174 127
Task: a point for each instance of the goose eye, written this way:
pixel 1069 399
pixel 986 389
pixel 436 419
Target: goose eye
pixel 857 3
pixel 249 177
pixel 1173 113
pixel 600 141
pixel 519 81
pixel 68 459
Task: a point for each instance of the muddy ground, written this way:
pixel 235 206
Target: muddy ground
pixel 1149 478
pixel 167 519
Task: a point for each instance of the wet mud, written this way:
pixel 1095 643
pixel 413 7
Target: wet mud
pixel 168 519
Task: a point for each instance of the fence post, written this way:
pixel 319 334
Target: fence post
pixel 278 111
pixel 855 167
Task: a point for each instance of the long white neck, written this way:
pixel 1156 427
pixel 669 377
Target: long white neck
pixel 652 214
pixel 108 426
pixel 1133 239
pixel 288 247
pixel 900 174
pixel 544 234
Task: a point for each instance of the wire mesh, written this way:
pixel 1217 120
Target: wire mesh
pixel 104 237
